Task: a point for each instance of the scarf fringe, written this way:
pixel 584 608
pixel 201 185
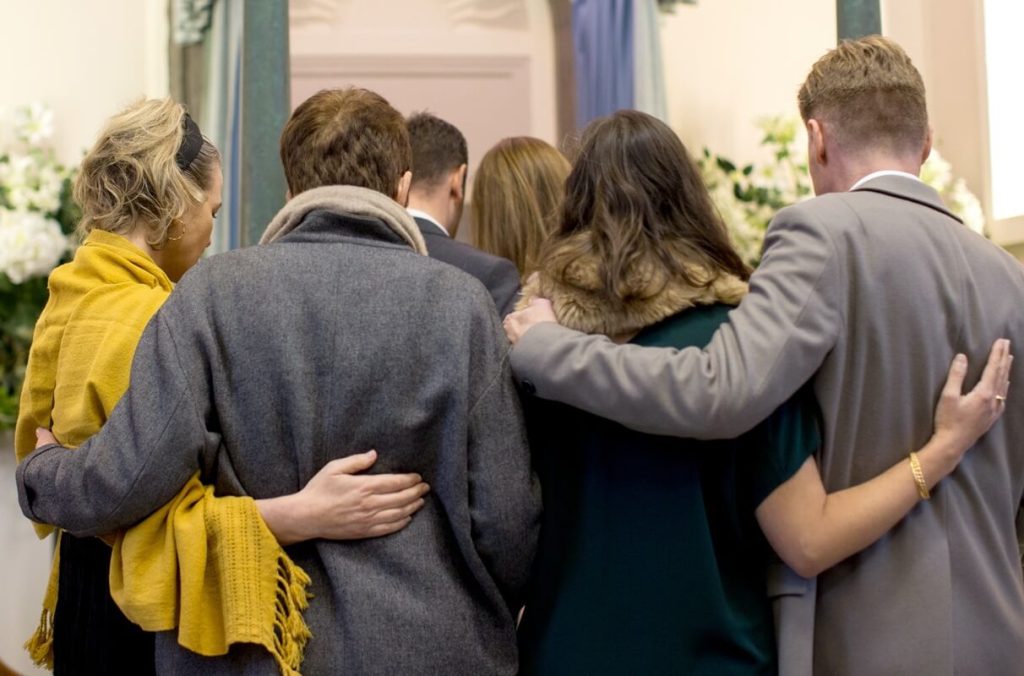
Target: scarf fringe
pixel 291 633
pixel 40 643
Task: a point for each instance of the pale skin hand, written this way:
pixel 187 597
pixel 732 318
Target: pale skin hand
pixel 812 531
pixel 518 323
pixel 338 503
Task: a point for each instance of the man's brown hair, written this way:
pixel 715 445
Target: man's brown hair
pixel 345 137
pixel 870 93
pixel 438 148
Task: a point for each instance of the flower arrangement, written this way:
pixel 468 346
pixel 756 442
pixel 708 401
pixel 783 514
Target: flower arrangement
pixel 747 197
pixel 37 217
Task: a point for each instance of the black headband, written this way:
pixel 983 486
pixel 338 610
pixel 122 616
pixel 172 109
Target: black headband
pixel 191 143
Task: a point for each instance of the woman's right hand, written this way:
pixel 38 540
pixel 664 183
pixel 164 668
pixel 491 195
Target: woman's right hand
pixel 961 419
pixel 338 503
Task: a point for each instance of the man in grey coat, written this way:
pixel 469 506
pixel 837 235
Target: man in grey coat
pixel 868 291
pixel 337 336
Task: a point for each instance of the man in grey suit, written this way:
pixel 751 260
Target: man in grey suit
pixel 436 198
pixel 868 291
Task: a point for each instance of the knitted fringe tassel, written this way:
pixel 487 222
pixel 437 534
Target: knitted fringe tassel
pixel 290 630
pixel 40 644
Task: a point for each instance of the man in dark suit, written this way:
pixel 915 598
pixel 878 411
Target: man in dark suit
pixel 438 191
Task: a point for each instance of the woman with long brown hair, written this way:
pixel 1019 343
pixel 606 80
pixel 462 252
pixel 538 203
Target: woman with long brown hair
pixel 654 550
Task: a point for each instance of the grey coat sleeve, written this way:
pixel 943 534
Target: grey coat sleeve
pixel 504 494
pixel 139 460
pixel 772 344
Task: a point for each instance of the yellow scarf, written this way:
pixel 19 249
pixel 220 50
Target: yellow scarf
pixel 223 552
pixel 212 568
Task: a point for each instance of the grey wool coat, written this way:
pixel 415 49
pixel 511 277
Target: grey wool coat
pixel 868 294
pixel 268 362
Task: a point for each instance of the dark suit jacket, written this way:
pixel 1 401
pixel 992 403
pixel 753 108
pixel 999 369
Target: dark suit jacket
pixel 498 275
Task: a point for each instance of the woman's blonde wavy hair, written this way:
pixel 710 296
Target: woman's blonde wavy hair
pixel 129 179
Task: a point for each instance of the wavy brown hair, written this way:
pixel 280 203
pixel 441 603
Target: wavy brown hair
pixel 517 192
pixel 130 177
pixel 636 203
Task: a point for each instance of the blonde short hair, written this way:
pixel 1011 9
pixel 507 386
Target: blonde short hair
pixel 517 193
pixel 871 93
pixel 130 177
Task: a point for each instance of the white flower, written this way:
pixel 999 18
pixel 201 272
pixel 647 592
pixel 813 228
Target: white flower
pixel 33 123
pixel 937 172
pixel 30 244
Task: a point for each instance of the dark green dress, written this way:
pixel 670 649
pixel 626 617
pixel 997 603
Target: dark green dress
pixel 651 560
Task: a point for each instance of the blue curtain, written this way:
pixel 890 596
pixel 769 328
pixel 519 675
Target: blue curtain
pixel 649 71
pixel 604 57
pixel 221 117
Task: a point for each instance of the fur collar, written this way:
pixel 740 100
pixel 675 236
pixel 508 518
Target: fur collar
pixel 581 302
pixel 346 199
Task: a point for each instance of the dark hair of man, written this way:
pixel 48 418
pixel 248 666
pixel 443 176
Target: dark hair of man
pixel 345 137
pixel 639 200
pixel 438 148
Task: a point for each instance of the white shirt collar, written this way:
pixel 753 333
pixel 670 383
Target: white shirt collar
pixel 884 172
pixel 416 213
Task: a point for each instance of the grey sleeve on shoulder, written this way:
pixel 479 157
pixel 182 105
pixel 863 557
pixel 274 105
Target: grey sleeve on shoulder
pixel 772 344
pixel 504 494
pixel 138 461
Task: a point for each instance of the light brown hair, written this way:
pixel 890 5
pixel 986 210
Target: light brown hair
pixel 130 178
pixel 517 191
pixel 345 137
pixel 635 201
pixel 872 95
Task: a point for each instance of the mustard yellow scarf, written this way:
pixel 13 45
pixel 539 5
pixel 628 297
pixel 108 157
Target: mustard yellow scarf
pixel 206 565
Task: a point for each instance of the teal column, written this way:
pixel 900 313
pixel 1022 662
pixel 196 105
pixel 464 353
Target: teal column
pixel 857 18
pixel 265 97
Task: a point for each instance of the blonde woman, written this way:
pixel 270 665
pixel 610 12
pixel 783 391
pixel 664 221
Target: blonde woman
pixel 517 190
pixel 149 190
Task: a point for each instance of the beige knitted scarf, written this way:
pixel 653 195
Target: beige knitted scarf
pixel 346 199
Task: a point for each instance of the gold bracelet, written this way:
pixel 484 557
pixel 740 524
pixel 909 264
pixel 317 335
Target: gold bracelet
pixel 915 469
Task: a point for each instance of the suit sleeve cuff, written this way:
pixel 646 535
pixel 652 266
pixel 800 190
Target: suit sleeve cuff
pixel 23 475
pixel 530 354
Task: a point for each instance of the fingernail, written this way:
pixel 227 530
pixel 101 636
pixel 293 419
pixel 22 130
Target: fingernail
pixel 960 361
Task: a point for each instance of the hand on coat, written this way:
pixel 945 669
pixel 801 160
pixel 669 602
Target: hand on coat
pixel 338 503
pixel 960 419
pixel 518 323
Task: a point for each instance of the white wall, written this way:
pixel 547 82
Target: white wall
pixel 84 59
pixel 730 62
pixel 436 28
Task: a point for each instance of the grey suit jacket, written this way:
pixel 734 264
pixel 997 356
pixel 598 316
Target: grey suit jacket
pixel 498 275
pixel 268 362
pixel 869 293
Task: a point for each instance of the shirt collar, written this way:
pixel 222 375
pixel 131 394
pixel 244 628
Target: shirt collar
pixel 884 172
pixel 416 213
